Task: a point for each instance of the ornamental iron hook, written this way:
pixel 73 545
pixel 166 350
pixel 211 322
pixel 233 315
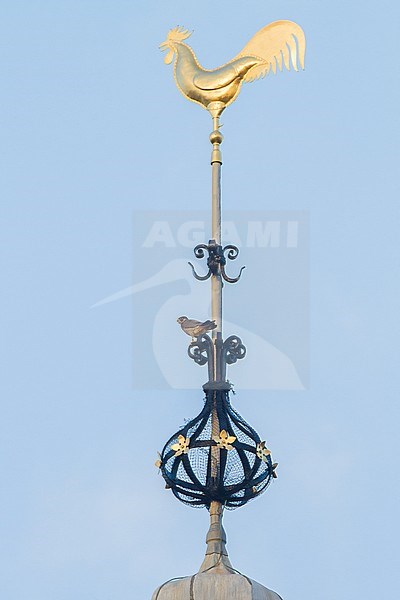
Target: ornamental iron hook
pixel 216 260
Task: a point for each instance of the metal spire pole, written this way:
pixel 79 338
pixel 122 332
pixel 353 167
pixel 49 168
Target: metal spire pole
pixel 216 279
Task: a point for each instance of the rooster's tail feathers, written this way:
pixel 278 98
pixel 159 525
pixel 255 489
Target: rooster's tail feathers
pixel 275 45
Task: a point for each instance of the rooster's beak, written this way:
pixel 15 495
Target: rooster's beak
pixel 169 57
pixel 170 54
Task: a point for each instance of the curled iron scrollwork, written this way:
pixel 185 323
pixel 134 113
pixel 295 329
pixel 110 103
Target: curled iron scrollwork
pixel 216 260
pixel 200 350
pixel 199 252
pixel 233 349
pixel 233 251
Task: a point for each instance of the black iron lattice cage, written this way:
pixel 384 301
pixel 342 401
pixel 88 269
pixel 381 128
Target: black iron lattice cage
pixel 216 456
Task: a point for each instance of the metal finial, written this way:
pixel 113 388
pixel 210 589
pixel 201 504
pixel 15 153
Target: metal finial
pixel 216 552
pixel 277 45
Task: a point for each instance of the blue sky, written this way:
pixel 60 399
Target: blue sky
pixel 93 129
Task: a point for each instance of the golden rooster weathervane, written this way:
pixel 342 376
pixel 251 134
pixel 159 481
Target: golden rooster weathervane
pixel 281 43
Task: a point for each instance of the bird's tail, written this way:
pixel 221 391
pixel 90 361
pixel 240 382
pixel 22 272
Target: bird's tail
pixel 276 46
pixel 210 324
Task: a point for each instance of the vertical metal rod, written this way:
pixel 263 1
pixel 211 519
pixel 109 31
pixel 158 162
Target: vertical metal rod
pixel 216 281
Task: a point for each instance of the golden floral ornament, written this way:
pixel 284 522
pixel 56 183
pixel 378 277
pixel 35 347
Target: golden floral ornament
pixel 158 462
pixel 262 451
pixel 274 473
pixel 224 440
pixel 182 446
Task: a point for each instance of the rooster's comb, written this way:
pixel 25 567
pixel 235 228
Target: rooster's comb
pixel 178 34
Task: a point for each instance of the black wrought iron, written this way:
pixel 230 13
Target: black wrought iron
pixel 233 253
pixel 232 350
pixel 216 260
pixel 206 469
pixel 227 352
pixel 201 351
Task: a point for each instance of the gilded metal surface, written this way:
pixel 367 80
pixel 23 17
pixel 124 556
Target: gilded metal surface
pixel 158 462
pixel 182 446
pixel 224 440
pixel 262 451
pixel 277 45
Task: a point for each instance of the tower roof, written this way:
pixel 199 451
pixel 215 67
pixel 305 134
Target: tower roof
pixel 216 578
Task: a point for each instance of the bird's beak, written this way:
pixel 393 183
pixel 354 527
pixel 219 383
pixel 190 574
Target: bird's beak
pixel 169 57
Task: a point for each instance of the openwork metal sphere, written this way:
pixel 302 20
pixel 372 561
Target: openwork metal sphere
pixel 216 456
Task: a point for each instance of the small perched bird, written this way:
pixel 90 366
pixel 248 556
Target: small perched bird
pixel 195 328
pixel 277 44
